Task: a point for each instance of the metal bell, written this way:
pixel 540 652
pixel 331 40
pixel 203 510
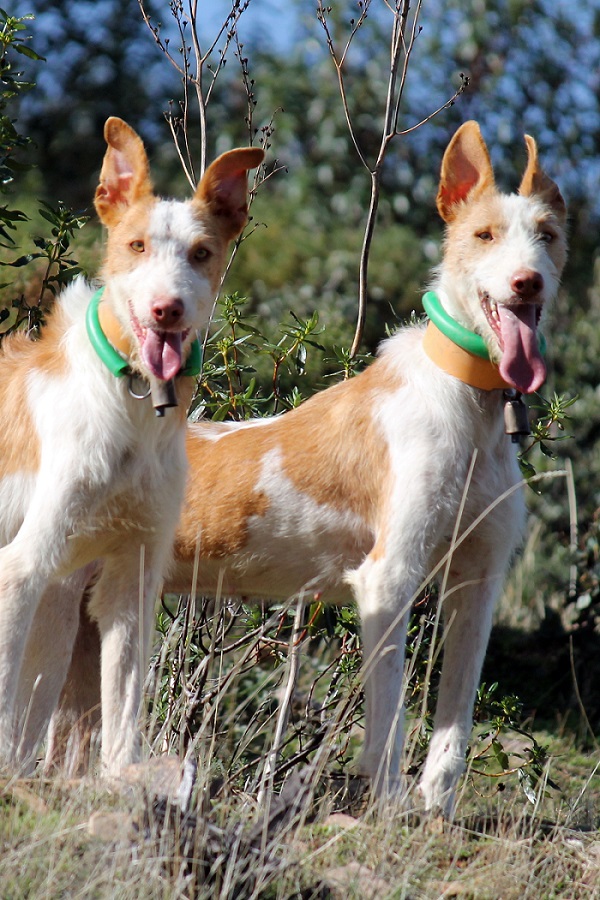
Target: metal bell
pixel 163 395
pixel 516 416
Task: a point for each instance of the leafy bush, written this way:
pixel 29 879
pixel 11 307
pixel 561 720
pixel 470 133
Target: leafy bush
pixel 13 43
pixel 58 268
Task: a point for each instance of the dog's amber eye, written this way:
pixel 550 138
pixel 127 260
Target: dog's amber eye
pixel 200 254
pixel 137 246
pixel 485 235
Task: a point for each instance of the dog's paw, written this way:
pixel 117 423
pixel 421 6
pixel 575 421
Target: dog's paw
pixel 438 795
pixel 444 766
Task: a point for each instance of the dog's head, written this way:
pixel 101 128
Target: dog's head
pixel 503 253
pixel 165 258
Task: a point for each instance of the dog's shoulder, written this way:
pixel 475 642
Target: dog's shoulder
pixel 72 303
pixel 406 339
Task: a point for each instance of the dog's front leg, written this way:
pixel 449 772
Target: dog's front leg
pixel 475 580
pixel 22 582
pixel 124 612
pixel 47 656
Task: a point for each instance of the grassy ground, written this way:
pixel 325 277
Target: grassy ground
pixel 318 837
pixel 87 839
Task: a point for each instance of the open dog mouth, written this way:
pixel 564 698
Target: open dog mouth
pixel 161 351
pixel 515 326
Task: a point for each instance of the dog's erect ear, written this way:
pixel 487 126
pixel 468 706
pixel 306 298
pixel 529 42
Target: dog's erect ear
pixel 224 187
pixel 125 175
pixel 466 167
pixel 535 181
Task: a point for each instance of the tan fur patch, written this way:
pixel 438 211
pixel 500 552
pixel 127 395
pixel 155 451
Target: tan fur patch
pixel 221 496
pixel 19 450
pixel 318 456
pixel 132 226
pixel 331 447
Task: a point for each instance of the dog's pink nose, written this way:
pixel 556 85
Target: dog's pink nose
pixel 167 312
pixel 527 283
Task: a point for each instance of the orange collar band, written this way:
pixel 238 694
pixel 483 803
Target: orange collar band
pixel 468 368
pixel 112 329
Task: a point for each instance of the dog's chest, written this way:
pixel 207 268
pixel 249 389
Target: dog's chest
pixel 146 477
pixel 481 489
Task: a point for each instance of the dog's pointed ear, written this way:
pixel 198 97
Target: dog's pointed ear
pixel 125 175
pixel 224 187
pixel 535 181
pixel 466 167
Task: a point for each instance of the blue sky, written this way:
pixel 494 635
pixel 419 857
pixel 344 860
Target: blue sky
pixel 547 78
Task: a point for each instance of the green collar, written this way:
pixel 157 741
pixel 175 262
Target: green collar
pixel 116 362
pixel 458 334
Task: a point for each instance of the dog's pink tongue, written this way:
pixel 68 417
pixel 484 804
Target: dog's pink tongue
pixel 522 364
pixel 162 354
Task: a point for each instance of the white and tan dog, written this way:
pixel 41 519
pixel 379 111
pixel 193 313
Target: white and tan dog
pixel 370 486
pixel 90 472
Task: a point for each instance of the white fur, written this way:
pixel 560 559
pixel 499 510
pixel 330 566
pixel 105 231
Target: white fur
pixel 110 481
pixel 102 477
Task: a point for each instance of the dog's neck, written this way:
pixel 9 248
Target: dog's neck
pixel 460 363
pixel 458 351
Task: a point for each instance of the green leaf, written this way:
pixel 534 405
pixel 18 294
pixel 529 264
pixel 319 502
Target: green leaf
pixel 300 359
pixel 22 260
pixel 29 52
pixel 500 755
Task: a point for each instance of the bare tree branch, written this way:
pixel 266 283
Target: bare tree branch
pixel 404 33
pixel 186 20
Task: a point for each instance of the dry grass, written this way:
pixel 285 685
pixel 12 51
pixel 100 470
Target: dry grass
pixel 87 840
pixel 214 691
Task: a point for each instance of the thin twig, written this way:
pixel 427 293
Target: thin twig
pixel 580 703
pixel 187 26
pixel 573 529
pixel 266 784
